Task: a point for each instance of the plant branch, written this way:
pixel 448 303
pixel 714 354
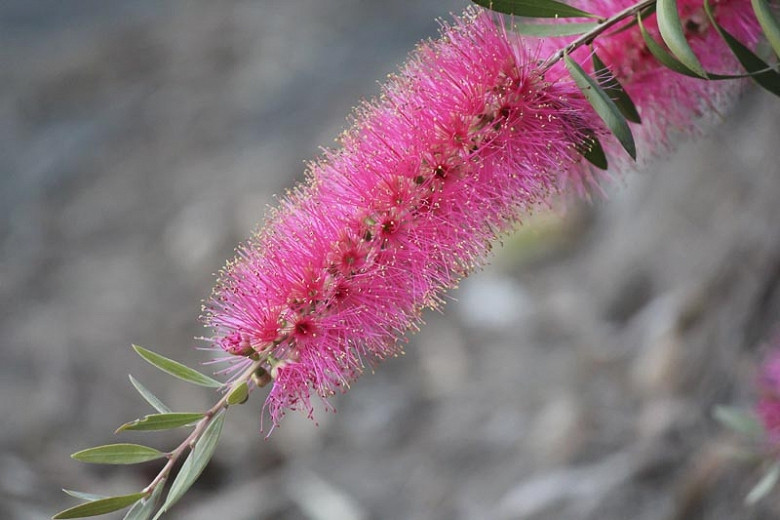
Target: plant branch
pixel 588 37
pixel 200 427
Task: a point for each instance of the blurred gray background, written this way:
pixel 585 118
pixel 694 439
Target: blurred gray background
pixel 140 141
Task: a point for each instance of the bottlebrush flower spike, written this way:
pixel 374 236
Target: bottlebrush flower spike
pixel 463 141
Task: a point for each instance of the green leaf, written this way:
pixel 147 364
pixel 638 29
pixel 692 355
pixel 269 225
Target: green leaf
pixel 666 59
pixel 592 151
pixel 162 421
pixel 89 497
pixel 100 507
pixel 614 90
pixel 553 29
pixel 738 420
pixel 603 106
pixel 149 396
pixel 765 485
pixel 176 369
pixel 770 80
pixel 118 454
pixel 238 394
pixel 195 463
pixel 673 34
pixel 768 23
pixel 534 8
pixel 661 54
pixel 143 509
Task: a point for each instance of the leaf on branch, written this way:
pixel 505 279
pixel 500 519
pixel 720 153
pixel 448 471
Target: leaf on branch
pixel 149 396
pixel 740 421
pixel 669 61
pixel 603 105
pixel 143 509
pixel 100 507
pixel 662 55
pixel 534 8
pixel 176 369
pixel 768 23
pixel 673 34
pixel 553 29
pixel 195 463
pixel 614 90
pixel 592 151
pixel 764 486
pixel 769 79
pixel 162 421
pixel 118 454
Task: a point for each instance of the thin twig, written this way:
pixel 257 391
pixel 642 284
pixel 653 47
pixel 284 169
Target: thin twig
pixel 588 37
pixel 200 427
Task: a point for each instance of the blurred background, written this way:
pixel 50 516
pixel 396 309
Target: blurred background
pixel 140 141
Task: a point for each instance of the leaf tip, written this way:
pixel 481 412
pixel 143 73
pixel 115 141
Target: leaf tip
pixel 124 427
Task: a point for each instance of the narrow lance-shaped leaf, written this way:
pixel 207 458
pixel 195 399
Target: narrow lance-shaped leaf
pixel 614 90
pixel 603 106
pixel 149 396
pixel 176 369
pixel 768 79
pixel 163 421
pixel 669 61
pixel 661 54
pixel 739 421
pixel 764 486
pixel 592 151
pixel 118 454
pixel 768 23
pixel 553 29
pixel 535 8
pixel 100 507
pixel 143 509
pixel 195 463
pixel 673 34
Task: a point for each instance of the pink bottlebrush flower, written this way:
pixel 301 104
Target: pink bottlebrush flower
pixel 463 141
pixel 768 406
pixel 668 102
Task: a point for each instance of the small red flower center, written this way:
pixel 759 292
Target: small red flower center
pixel 304 328
pixel 389 226
pixel 341 292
